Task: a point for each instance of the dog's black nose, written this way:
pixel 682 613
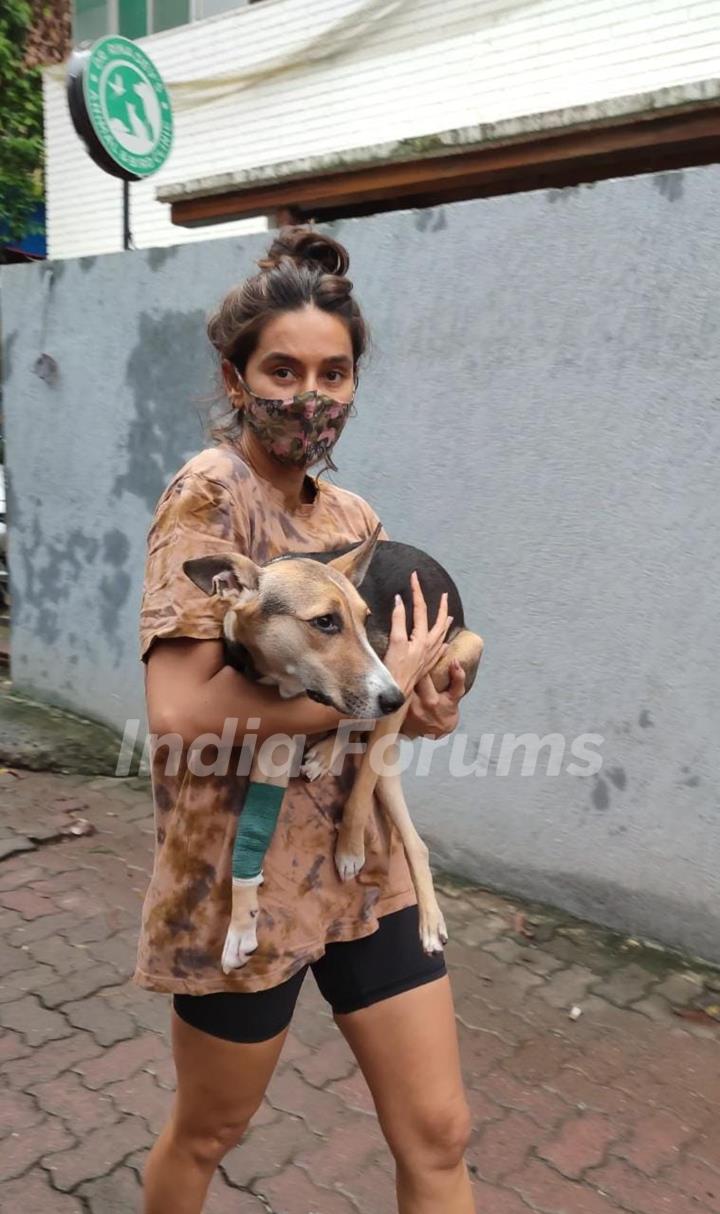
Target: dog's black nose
pixel 390 701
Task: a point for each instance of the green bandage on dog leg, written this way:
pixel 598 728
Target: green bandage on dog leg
pixel 255 829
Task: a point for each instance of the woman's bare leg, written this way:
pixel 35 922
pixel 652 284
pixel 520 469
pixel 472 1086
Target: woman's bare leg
pixel 220 1085
pixel 408 1051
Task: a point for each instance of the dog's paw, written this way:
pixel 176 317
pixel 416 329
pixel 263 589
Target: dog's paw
pixel 312 768
pixel 433 932
pixel 240 944
pixel 318 758
pixel 348 863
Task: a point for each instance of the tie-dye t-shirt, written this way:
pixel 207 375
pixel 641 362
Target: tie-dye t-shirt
pixel 217 503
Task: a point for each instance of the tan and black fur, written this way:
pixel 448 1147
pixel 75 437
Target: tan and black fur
pixel 319 625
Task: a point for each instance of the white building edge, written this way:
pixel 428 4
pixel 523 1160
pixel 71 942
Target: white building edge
pixel 263 89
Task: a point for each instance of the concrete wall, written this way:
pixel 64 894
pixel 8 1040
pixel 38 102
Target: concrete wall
pixel 541 411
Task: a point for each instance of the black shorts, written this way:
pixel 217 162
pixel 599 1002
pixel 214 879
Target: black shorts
pixel 351 974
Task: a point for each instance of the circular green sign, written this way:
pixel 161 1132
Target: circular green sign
pixel 128 106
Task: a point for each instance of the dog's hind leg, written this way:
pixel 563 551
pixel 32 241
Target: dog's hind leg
pixel 433 932
pixel 467 647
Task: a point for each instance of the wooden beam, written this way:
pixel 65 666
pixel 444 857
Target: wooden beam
pixel 648 144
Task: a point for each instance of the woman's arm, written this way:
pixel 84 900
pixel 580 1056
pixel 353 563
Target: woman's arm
pixel 189 691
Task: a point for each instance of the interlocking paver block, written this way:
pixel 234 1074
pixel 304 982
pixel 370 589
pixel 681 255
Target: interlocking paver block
pixel 17 1112
pixel 63 957
pixel 143 1097
pixel 66 991
pixel 544 1189
pixel 266 1150
pixel 33 1194
pixel 118 1193
pixel 633 1191
pixel 333 1061
pixel 343 1153
pixel 503 1146
pixel 655 1142
pixel 582 1142
pixel 490 1198
pixel 36 1024
pixel 122 1060
pixel 293 1192
pixel 616 1111
pixel 320 1110
pixel 540 1060
pixel 81 1109
pixel 96 1153
pixel 624 986
pixel 481 1053
pixel 542 1105
pixel 567 988
pixel 29 904
pixel 696 1180
pixel 37 1065
pixel 354 1093
pixel 372 1190
pixel 19 1151
pixel 106 1023
pixel 223 1199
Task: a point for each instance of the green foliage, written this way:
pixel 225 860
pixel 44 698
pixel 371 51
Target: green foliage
pixel 21 130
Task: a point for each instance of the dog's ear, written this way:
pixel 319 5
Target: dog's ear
pixel 233 577
pixel 354 564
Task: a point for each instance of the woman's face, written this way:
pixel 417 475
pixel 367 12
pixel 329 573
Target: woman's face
pixel 301 352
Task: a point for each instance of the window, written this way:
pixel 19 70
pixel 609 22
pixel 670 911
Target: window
pixel 90 20
pixel 211 8
pixel 169 13
pixel 135 18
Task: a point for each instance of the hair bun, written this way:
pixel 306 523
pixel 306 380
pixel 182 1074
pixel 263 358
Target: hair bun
pixel 304 247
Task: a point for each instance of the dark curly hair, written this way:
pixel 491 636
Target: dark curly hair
pixel 301 267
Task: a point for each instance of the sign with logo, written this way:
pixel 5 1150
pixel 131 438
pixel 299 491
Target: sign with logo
pixel 120 107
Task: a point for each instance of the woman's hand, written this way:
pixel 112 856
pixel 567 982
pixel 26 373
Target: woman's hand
pixel 410 659
pixel 432 713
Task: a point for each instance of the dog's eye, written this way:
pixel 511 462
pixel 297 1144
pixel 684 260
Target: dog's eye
pixel 326 623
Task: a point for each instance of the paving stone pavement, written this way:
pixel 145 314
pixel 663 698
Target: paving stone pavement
pixel 614 1110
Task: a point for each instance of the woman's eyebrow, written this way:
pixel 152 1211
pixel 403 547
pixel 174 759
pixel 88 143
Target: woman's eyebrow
pixel 280 356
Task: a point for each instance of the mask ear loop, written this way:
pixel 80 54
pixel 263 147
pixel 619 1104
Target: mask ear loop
pixel 352 411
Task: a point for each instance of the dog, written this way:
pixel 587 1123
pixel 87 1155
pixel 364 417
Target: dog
pixel 318 624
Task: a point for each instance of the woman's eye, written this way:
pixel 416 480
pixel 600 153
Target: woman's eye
pixel 335 377
pixel 283 373
pixel 326 623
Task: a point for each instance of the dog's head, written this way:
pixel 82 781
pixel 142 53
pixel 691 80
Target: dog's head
pixel 303 623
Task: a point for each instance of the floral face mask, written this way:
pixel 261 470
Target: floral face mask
pixel 299 431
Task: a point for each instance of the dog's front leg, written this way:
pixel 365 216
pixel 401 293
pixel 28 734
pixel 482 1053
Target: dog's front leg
pixel 350 845
pixel 433 932
pixel 255 828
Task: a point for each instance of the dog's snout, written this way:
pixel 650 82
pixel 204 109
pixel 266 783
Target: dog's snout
pixel 390 701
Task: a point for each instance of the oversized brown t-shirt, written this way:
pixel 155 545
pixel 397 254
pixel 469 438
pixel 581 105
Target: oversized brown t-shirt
pixel 217 503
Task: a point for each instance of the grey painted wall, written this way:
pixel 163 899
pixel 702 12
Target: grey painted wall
pixel 541 411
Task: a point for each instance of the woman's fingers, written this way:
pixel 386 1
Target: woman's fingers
pixel 398 625
pixel 456 687
pixel 419 606
pixel 426 692
pixel 442 620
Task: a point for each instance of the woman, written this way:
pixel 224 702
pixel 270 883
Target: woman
pixel 291 329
